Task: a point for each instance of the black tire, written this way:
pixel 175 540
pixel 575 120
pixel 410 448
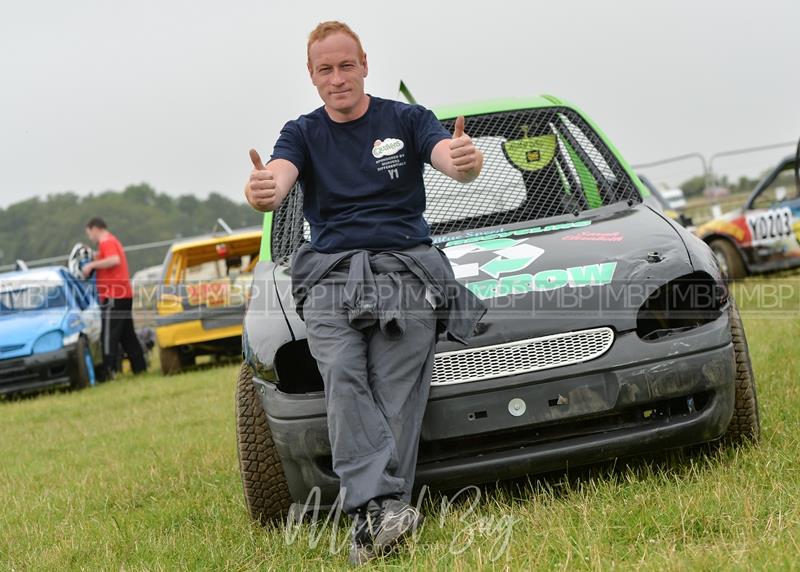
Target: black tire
pixel 78 371
pixel 170 360
pixel 728 258
pixel 187 359
pixel 266 492
pixel 745 425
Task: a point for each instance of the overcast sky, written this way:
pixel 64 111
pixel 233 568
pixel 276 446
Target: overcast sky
pixel 96 95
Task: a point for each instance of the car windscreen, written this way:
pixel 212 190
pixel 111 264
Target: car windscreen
pixel 538 163
pixel 32 298
pixel 779 191
pixel 219 268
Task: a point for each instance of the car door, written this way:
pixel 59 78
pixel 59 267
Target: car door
pixel 773 218
pixel 85 297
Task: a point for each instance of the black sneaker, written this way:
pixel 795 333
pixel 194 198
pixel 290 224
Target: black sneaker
pixel 395 520
pixel 361 545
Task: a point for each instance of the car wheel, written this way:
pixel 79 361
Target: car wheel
pixel 170 360
pixel 728 258
pixel 266 492
pixel 82 367
pixel 187 359
pixel 745 424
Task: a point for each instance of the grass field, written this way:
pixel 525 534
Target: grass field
pixel 141 474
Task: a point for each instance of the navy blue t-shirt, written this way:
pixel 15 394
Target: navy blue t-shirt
pixel 359 194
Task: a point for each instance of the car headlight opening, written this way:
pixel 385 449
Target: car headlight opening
pixel 49 342
pixel 682 304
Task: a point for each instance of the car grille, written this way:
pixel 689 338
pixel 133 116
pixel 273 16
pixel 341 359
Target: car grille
pixel 523 356
pixel 9 349
pixel 17 374
pixel 14 370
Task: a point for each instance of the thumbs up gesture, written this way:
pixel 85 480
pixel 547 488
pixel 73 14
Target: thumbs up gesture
pixel 466 159
pixel 261 190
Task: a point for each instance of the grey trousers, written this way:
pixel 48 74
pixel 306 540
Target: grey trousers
pixel 376 387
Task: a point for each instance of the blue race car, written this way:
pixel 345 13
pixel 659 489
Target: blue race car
pixel 49 330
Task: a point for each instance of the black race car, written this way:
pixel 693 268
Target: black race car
pixel 610 330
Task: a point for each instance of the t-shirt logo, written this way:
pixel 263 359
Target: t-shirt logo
pixel 386 147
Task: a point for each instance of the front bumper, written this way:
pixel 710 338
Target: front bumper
pixel 36 371
pixel 199 326
pixel 572 416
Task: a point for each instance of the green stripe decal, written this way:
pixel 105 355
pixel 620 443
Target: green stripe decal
pixel 266 239
pixel 588 183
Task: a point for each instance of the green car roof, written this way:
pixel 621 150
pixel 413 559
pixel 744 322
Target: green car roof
pixel 495 105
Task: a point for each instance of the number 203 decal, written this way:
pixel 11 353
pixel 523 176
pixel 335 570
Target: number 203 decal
pixel 770 226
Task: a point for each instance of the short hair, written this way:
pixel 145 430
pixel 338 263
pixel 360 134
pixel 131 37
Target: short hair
pixel 96 222
pixel 325 29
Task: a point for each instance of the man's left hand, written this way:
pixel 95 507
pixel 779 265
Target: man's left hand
pixel 87 269
pixel 465 157
pixel 457 157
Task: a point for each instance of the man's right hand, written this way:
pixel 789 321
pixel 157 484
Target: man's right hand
pixel 261 190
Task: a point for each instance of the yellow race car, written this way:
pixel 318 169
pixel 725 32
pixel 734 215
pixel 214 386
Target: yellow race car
pixel 201 299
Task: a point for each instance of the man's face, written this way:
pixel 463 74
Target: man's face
pixel 338 71
pixel 92 233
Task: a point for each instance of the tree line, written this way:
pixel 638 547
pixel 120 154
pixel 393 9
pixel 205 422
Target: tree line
pixel 696 185
pixel 41 228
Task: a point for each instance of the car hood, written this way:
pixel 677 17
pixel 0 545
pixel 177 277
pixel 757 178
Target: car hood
pixel 535 278
pixel 589 272
pixel 18 332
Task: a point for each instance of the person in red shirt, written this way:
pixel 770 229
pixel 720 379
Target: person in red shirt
pixel 116 299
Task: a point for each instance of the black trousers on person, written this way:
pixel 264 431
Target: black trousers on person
pixel 117 328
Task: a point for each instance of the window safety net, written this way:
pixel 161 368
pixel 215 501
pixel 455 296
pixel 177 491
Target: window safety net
pixel 538 163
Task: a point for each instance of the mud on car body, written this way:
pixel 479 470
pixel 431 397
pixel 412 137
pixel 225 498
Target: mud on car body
pixel 609 329
pixel 201 297
pixel 49 330
pixel 764 234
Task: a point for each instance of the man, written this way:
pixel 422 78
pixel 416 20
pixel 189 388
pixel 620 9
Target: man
pixel 116 299
pixel 370 287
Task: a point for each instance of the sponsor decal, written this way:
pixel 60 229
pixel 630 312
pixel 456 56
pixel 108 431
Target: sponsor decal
pixel 504 260
pixel 595 236
pixel 521 232
pixel 388 158
pixel 770 226
pixel 510 256
pixel 465 234
pixel 531 153
pixel 387 147
pixel 211 294
pixel 575 277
